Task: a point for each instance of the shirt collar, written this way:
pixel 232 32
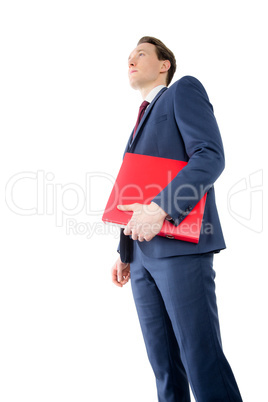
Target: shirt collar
pixel 152 94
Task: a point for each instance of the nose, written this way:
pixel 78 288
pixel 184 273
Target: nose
pixel 131 62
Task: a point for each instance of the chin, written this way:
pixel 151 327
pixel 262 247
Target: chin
pixel 134 84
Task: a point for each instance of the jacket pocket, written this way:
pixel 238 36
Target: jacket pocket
pixel 159 119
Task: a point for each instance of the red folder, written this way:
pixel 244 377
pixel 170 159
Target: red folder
pixel 140 179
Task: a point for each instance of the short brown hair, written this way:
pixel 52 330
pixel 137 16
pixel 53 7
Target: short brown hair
pixel 163 53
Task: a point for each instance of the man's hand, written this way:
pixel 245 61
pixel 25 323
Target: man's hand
pixel 120 273
pixel 146 221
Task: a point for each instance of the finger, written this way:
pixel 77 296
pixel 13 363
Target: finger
pixel 134 235
pixel 119 275
pixel 125 279
pixel 148 238
pixel 122 271
pixel 127 231
pixel 126 207
pixel 114 275
pixel 115 281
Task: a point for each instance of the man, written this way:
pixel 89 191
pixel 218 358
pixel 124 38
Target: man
pixel 172 280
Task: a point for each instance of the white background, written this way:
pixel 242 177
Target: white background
pixel 67 334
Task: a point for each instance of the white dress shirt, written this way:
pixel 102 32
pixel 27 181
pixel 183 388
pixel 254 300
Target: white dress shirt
pixel 152 94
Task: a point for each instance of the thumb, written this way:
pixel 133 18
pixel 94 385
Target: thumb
pixel 126 207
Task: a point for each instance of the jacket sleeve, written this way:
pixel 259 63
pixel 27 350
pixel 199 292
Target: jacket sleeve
pixel 197 125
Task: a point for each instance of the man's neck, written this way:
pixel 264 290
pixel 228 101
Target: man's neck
pixel 146 90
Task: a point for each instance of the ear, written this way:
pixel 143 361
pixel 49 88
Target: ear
pixel 165 66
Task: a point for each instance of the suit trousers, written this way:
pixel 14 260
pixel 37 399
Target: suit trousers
pixel 176 305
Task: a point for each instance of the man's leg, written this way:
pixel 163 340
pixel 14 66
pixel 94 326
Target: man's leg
pixel 187 287
pixel 161 344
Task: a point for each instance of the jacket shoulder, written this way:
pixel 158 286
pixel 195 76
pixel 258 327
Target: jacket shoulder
pixel 187 80
pixel 188 86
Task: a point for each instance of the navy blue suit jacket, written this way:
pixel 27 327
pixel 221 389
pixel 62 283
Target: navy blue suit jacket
pixel 180 124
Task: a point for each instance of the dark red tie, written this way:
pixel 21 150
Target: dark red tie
pixel 143 106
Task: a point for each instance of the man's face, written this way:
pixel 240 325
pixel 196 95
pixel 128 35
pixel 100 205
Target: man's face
pixel 145 70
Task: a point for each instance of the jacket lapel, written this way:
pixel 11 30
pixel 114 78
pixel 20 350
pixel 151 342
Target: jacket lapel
pixel 131 142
